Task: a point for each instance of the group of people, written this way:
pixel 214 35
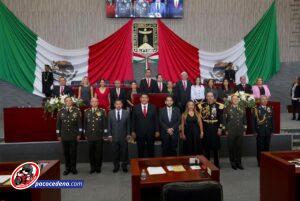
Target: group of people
pixel 192 118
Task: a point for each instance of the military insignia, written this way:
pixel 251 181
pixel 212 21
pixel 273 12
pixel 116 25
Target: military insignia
pixel 221 106
pixel 145 38
pixel 269 109
pixel 98 114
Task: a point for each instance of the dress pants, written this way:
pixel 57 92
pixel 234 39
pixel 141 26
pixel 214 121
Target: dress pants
pixel 120 153
pixel 145 146
pixel 215 155
pixel 296 108
pixel 235 143
pixel 70 154
pixel 95 154
pixel 262 144
pixel 169 145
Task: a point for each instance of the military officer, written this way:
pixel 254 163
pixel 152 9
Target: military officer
pixel 235 126
pixel 211 112
pixel 263 126
pixel 68 130
pixel 94 127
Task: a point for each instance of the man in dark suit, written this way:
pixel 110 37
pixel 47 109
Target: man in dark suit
pixel 158 9
pixel 263 126
pixel 161 86
pixel 94 127
pixel 62 89
pixel 169 121
pixel 175 9
pixel 183 91
pixel 47 81
pixel 148 85
pixel 230 73
pixel 119 134
pixel 144 127
pixel 117 93
pixel 243 86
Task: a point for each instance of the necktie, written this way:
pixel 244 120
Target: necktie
pixel 118 93
pixel 184 85
pixel 148 81
pixel 160 87
pixel 145 111
pixel 118 114
pixel 157 7
pixel 62 90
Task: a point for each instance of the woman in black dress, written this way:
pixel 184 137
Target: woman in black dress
pixel 225 90
pixel 192 130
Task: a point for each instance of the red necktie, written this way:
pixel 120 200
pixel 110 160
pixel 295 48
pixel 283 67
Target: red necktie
pixel 149 83
pixel 118 93
pixel 160 87
pixel 184 85
pixel 145 111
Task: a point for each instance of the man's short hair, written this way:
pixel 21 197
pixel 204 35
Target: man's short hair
pixel 118 100
pixel 144 94
pixel 169 97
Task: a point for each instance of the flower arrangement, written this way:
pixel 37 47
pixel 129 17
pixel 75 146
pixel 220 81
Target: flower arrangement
pixel 245 100
pixel 55 104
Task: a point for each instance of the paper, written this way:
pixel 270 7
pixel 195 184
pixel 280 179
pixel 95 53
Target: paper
pixel 296 162
pixel 4 178
pixel 178 168
pixel 155 170
pixel 195 167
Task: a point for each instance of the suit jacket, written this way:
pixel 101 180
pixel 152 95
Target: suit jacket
pixel 173 12
pixel 162 9
pixel 247 89
pixel 67 91
pixel 118 129
pixel 183 96
pixel 166 124
pixel 144 126
pixel 47 81
pixel 230 75
pixel 164 88
pixel 144 88
pixel 256 91
pixel 114 96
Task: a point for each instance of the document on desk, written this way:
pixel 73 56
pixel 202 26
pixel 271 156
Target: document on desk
pixel 4 178
pixel 155 170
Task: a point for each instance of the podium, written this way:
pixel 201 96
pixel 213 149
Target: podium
pixel 279 179
pixel 50 172
pixel 151 187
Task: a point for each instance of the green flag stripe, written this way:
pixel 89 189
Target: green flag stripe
pixel 262 49
pixel 17 51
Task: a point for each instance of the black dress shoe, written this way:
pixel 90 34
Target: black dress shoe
pixel 294 118
pixel 92 171
pixel 66 172
pixel 98 170
pixel 240 167
pixel 74 171
pixel 233 167
pixel 116 169
pixel 124 169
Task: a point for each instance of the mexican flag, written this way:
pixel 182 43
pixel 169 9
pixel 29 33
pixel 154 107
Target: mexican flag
pixel 24 54
pixel 256 55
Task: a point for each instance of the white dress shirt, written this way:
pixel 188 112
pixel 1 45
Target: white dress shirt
pixel 120 112
pixel 197 92
pixel 169 111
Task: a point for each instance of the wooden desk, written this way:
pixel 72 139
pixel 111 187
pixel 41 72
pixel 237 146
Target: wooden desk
pixel 50 172
pixel 279 179
pixel 141 189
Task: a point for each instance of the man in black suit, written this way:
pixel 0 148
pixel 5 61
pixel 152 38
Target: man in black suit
pixel 148 85
pixel 62 89
pixel 161 86
pixel 47 81
pixel 230 73
pixel 243 86
pixel 169 121
pixel 117 93
pixel 144 127
pixel 183 91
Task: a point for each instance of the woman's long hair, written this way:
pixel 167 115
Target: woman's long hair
pixel 185 113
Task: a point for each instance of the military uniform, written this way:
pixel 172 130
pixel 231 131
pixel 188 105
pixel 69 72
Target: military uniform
pixel 69 127
pixel 212 122
pixel 264 127
pixel 235 123
pixel 94 127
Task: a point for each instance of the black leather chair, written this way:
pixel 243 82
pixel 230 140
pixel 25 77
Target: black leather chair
pixel 193 191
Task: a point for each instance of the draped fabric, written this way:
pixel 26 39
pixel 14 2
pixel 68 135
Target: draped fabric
pixel 262 48
pixel 176 55
pixel 17 51
pixel 111 58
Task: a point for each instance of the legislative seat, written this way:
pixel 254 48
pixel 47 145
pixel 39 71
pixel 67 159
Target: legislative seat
pixel 193 191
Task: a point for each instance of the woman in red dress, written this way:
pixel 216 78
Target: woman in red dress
pixel 102 93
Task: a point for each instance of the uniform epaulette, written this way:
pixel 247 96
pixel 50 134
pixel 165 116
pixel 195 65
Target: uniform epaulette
pixel 221 105
pixel 200 105
pixel 87 109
